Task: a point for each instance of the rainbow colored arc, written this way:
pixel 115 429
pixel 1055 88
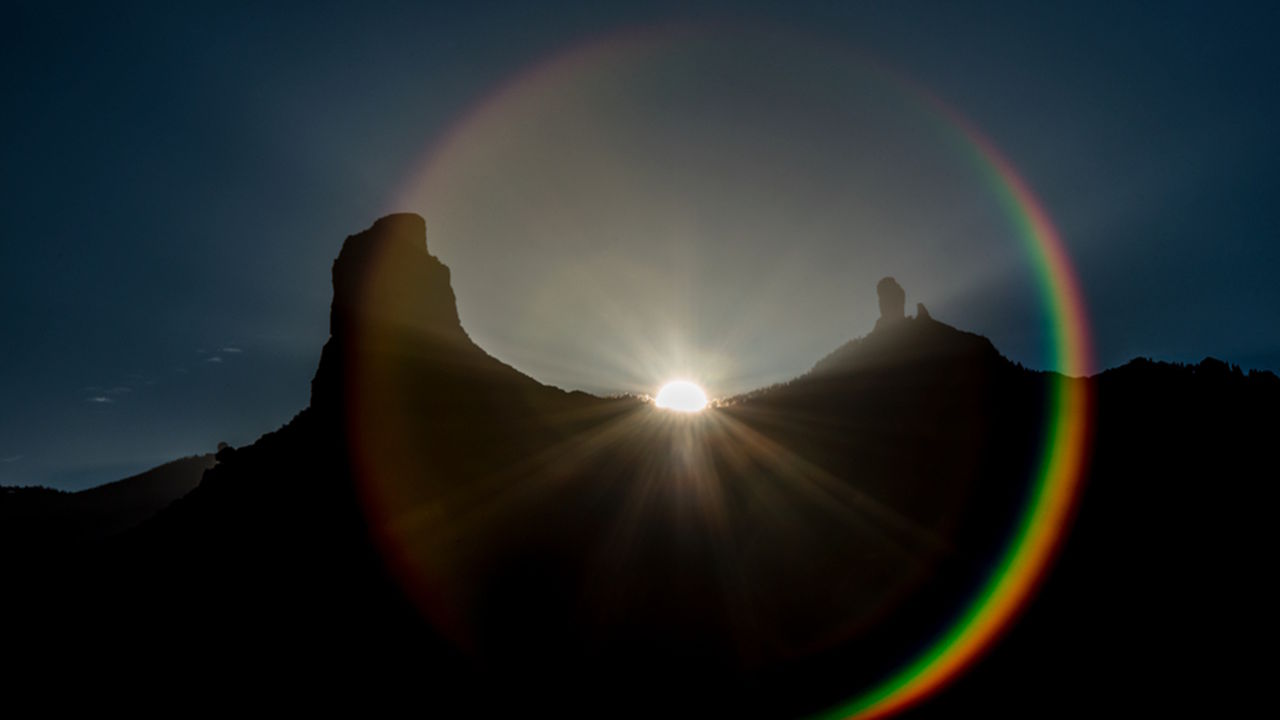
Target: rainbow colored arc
pixel 1043 524
pixel 1045 521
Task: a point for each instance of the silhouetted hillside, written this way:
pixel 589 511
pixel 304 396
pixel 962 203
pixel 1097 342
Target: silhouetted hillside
pixel 438 525
pixel 53 519
pixel 1161 595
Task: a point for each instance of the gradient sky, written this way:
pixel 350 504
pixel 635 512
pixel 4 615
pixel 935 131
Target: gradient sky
pixel 177 180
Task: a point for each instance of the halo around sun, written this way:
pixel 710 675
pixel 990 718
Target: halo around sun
pixel 681 396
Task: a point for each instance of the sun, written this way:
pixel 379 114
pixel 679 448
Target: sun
pixel 681 396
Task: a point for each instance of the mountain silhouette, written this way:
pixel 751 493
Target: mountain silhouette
pixel 438 526
pixel 60 521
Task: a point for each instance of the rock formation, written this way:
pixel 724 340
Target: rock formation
pixel 388 290
pixel 893 300
pixel 385 277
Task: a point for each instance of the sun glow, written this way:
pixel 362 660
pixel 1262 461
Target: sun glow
pixel 681 396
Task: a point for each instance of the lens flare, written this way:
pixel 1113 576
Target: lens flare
pixel 1054 486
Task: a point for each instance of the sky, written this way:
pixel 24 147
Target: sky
pixel 624 192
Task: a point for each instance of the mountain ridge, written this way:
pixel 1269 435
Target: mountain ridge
pixel 435 519
pixel 68 520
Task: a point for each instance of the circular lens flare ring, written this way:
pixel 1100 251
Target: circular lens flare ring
pixel 681 396
pixel 1065 449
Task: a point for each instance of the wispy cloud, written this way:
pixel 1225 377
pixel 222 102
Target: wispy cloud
pixel 214 359
pixel 100 395
pixel 233 350
pixel 12 458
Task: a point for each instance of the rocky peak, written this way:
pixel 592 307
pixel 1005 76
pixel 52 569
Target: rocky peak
pixel 388 292
pixel 385 279
pixel 900 342
pixel 893 300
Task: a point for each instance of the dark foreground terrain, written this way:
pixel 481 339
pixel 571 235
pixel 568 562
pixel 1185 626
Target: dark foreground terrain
pixel 440 529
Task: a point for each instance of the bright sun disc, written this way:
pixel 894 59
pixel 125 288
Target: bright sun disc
pixel 681 396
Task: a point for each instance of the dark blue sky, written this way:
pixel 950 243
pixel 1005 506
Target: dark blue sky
pixel 177 180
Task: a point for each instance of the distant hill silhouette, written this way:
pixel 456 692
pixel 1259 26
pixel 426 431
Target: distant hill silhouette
pixel 438 526
pixel 56 520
